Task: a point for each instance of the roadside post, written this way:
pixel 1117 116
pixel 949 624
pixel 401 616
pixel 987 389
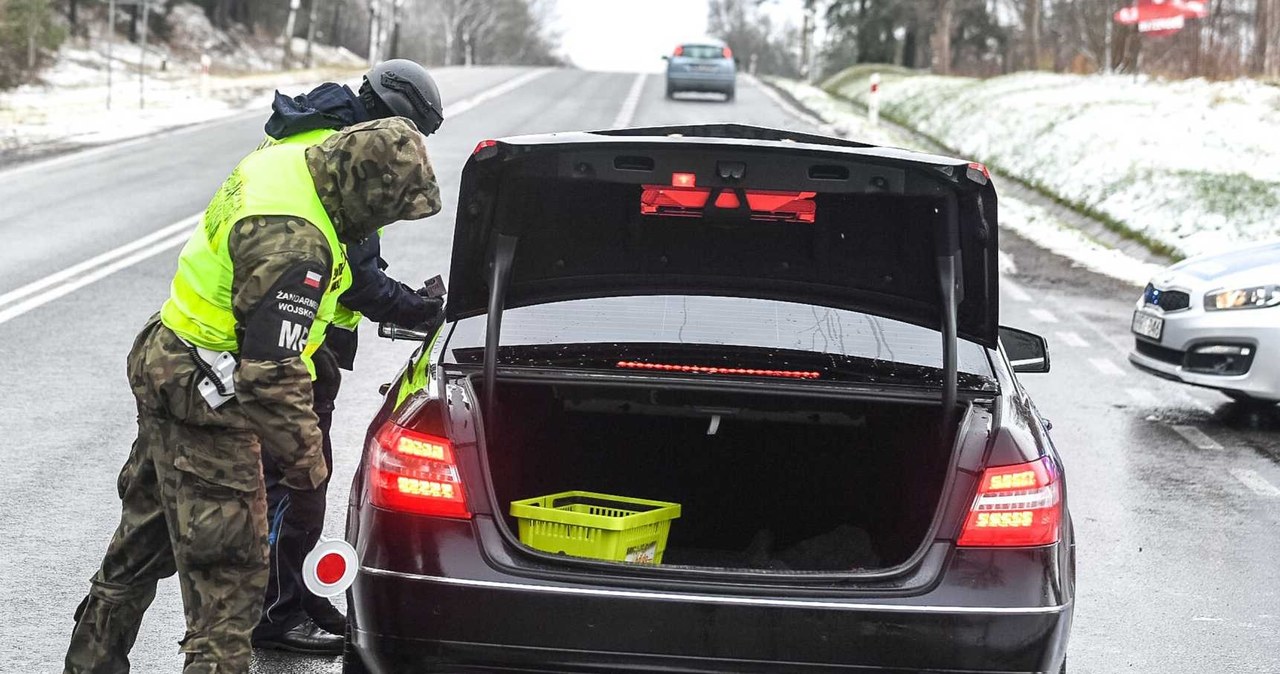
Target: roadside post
pixel 111 40
pixel 873 101
pixel 205 62
pixel 142 59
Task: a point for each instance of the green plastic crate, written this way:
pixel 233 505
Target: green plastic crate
pixel 599 526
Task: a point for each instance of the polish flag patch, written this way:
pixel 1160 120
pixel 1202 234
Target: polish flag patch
pixel 312 279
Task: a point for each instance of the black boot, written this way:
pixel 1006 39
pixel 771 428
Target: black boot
pixel 307 637
pixel 328 617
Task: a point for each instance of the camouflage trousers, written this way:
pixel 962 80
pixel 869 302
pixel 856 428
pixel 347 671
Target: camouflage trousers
pixel 193 504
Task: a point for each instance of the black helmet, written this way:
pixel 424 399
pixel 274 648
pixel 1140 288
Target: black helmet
pixel 402 88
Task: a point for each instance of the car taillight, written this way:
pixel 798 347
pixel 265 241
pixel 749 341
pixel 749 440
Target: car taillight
pixel 727 53
pixel 1016 506
pixel 485 149
pixel 415 472
pixel 679 50
pixel 683 200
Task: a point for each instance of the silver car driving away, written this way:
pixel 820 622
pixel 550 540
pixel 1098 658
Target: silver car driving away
pixel 1214 321
pixel 705 65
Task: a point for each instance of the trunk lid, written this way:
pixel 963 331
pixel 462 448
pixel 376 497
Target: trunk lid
pixel 726 210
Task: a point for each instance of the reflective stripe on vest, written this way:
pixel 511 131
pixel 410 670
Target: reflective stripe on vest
pixel 343 317
pixel 271 181
pixel 349 319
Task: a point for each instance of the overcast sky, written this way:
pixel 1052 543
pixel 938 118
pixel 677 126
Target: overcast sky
pixel 632 35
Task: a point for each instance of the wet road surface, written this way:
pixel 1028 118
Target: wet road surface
pixel 1175 491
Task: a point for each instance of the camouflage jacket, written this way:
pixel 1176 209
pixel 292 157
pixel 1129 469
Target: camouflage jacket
pixel 367 176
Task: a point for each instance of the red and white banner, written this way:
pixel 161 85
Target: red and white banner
pixel 1161 17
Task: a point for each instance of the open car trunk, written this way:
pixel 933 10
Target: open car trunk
pixel 784 484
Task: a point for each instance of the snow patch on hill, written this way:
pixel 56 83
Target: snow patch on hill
pixel 1192 165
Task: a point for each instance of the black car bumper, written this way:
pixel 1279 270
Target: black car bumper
pixel 425 623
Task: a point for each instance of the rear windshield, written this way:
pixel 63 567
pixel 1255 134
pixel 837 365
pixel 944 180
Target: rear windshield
pixel 702 51
pixel 722 321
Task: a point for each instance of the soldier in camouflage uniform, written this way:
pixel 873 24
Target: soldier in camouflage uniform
pixel 191 490
pixel 293 618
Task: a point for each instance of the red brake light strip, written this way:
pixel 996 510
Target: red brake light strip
pixel 705 369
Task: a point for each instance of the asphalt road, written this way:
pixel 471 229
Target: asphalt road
pixel 1175 492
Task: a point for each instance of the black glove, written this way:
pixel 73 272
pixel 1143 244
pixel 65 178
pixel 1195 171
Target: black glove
pixel 413 309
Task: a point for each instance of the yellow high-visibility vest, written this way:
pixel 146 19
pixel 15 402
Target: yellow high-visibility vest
pixel 343 317
pixel 270 181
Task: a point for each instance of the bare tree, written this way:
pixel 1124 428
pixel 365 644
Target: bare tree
pixel 1264 16
pixel 1031 14
pixel 941 40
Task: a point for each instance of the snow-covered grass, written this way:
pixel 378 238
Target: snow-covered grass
pixel 1030 221
pixel 38 119
pixel 1189 166
pixel 1039 226
pixel 67 107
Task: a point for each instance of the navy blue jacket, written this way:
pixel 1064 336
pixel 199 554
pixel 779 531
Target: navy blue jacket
pixel 372 292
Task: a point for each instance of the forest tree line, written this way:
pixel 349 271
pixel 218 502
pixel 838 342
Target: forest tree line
pixel 991 37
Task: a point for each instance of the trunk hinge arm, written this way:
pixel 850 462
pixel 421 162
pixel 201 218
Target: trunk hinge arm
pixel 948 279
pixel 504 254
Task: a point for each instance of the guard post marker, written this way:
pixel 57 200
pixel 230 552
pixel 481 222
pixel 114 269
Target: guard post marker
pixel 873 101
pixel 205 62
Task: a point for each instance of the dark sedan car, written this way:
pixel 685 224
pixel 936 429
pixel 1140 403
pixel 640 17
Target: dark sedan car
pixel 777 357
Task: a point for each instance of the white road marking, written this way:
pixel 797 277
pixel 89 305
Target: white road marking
pixel 1120 348
pixel 1253 480
pixel 1141 396
pixel 64 282
pixel 502 89
pixel 76 270
pixel 1014 291
pixel 629 105
pixel 1106 367
pixel 1072 339
pixel 1196 437
pixel 90 275
pixel 1196 402
pixel 1043 315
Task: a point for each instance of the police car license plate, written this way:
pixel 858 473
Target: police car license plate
pixel 1148 325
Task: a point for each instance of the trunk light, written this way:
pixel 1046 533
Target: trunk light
pixel 727 200
pixel 704 369
pixel 688 201
pixel 1016 506
pixel 415 472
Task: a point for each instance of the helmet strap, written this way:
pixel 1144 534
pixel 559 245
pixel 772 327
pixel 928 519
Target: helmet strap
pixel 372 104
